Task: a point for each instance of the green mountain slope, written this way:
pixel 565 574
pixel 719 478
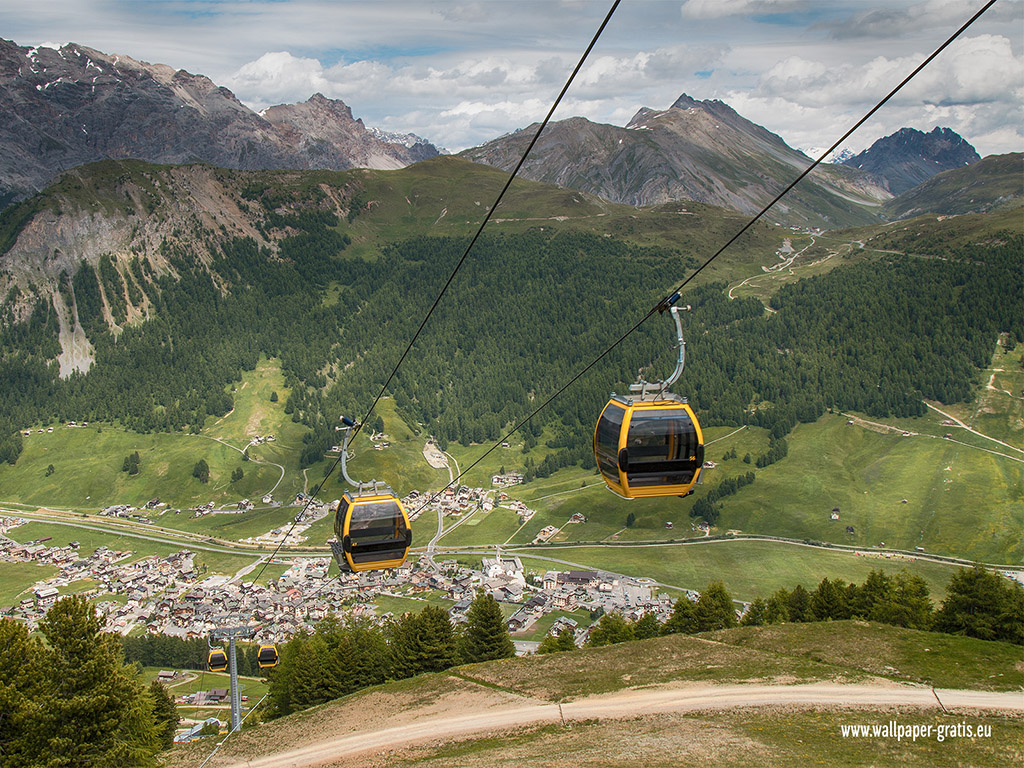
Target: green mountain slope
pixel 181 280
pixel 993 183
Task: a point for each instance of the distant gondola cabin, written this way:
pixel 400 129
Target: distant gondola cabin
pixel 649 446
pixel 217 660
pixel 267 656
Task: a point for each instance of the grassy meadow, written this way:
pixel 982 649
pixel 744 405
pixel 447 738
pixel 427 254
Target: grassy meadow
pixel 864 470
pixel 748 568
pixel 87 461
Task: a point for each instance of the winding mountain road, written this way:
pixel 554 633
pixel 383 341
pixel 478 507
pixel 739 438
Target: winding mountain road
pixel 631 703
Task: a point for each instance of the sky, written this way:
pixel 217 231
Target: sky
pixel 462 73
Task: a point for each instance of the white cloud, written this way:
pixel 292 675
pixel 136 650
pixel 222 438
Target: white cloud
pixel 717 9
pixel 434 63
pixel 278 76
pixel 895 22
pixel 974 70
pixel 976 87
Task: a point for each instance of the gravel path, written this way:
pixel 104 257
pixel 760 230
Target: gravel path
pixel 663 699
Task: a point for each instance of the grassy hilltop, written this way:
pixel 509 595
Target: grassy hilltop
pixel 847 653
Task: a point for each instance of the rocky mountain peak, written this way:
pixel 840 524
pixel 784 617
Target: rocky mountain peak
pixel 910 157
pixel 75 105
pixel 694 150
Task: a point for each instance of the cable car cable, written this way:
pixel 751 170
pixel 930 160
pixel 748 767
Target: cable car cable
pixel 662 305
pixel 458 265
pixel 228 736
pixel 451 277
pixel 490 211
pixel 666 302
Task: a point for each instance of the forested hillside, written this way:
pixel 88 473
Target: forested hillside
pixel 528 310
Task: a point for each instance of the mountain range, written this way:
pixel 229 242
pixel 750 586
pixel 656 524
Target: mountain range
pixel 694 150
pixel 77 105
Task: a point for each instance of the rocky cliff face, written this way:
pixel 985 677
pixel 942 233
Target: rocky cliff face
pixel 910 157
pixel 694 150
pixel 324 131
pixel 76 105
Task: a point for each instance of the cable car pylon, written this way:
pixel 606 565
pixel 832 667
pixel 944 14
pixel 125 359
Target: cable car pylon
pixel 231 634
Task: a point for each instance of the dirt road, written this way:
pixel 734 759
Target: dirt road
pixel 677 698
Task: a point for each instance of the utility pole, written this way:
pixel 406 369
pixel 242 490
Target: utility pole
pixel 231 634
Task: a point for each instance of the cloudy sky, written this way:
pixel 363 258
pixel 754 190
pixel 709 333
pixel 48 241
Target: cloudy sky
pixel 460 73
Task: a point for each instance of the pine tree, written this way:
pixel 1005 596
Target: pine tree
pixel 683 619
pixel 486 636
pixel 311 684
pixel 281 677
pixel 829 601
pixel 95 712
pixel 201 471
pixel 647 626
pixel 611 629
pixel 423 642
pixel 715 609
pixel 165 712
pixel 563 641
pixel 981 604
pixel 874 598
pixel 776 610
pixel 798 607
pixel 755 615
pixel 21 683
pixel 911 604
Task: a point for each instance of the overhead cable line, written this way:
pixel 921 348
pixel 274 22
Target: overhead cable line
pixel 490 212
pixel 662 305
pixel 487 217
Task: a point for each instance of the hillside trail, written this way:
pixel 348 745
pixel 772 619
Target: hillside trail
pixel 973 431
pixel 470 719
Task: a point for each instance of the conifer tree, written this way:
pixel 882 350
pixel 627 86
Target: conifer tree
pixel 683 619
pixel 798 606
pixel 21 682
pixel 715 609
pixel 647 626
pixel 281 677
pixel 755 615
pixel 367 658
pixel 911 605
pixel 563 641
pixel 165 712
pixel 610 629
pixel 981 604
pixel 95 711
pixel 829 601
pixel 423 642
pixel 776 610
pixel 486 636
pixel 311 681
